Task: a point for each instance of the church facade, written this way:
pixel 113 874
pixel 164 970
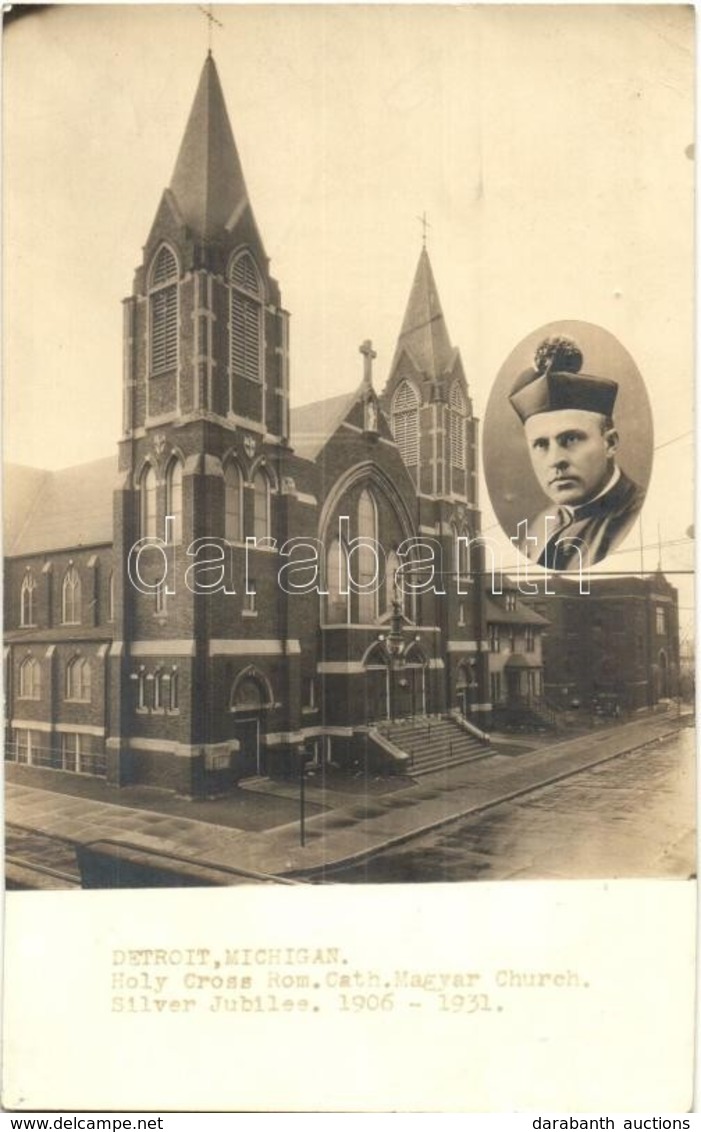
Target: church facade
pixel 245 582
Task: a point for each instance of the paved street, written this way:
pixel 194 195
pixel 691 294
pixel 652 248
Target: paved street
pixel 630 817
pixel 634 820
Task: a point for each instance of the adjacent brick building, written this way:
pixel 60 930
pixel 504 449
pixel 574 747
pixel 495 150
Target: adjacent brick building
pixel 621 640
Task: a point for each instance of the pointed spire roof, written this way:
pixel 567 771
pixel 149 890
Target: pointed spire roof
pixel 424 333
pixel 207 182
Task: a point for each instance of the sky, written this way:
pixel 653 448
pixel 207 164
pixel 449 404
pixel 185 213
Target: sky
pixel 548 147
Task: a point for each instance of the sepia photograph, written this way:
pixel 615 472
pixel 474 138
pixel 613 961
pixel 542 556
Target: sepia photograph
pixel 348 496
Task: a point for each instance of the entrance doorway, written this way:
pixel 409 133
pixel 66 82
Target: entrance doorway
pixel 249 761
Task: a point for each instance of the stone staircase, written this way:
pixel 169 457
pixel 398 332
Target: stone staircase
pixel 434 743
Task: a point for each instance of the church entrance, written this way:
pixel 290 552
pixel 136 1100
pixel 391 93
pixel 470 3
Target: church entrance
pixel 409 691
pixel 377 693
pixel 249 760
pixel 394 692
pixel 250 696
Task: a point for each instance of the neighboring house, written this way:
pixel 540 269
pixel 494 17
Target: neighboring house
pixel 619 640
pixel 165 683
pixel 515 656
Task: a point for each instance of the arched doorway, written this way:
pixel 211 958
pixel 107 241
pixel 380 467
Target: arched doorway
pixel 409 694
pixel 250 696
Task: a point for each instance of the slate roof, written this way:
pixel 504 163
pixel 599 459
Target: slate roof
pixel 311 426
pixel 54 510
pixel 207 182
pixel 424 334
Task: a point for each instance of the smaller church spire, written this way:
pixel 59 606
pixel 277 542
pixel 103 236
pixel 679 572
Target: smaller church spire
pixel 424 333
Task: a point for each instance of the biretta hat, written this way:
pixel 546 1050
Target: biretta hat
pixel 554 382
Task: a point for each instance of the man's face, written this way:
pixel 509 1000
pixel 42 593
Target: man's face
pixel 571 455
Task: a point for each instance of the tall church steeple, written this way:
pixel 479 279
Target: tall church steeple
pixel 206 333
pixel 208 183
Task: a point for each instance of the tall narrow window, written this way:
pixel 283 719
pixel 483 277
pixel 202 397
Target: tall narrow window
pixel 336 584
pixel 174 703
pixel 261 505
pixel 246 318
pixel 233 509
pixel 174 501
pixel 141 689
pixel 30 679
pixel 367 558
pixel 457 427
pixel 78 679
pixel 163 303
pixel 148 502
pixel 159 689
pixel 405 423
pixel 110 607
pixel 27 600
pixel 71 597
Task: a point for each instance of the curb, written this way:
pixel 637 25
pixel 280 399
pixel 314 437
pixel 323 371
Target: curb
pixel 367 854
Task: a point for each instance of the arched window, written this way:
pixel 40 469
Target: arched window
pixel 71 597
pixel 78 679
pixel 159 689
pixel 261 505
pixel 233 504
pixel 174 500
pixel 148 502
pixel 174 702
pixel 30 679
pixel 367 574
pixel 163 310
pixel 457 427
pixel 26 600
pixel 246 318
pixel 405 423
pixel 250 691
pixel 141 704
pixel 336 584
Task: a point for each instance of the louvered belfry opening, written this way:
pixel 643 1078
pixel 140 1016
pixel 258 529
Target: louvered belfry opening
pixel 246 313
pixel 164 312
pixel 457 427
pixel 405 423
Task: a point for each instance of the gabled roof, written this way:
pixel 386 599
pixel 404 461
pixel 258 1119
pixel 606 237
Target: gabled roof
pixel 207 182
pixel 498 614
pixel 44 510
pixel 311 426
pixel 424 334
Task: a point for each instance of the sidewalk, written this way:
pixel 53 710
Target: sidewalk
pixel 350 827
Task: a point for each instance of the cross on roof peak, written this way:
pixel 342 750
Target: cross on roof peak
pixel 207 13
pixel 423 221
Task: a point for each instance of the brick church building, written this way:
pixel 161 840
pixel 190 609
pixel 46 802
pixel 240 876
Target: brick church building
pixel 172 653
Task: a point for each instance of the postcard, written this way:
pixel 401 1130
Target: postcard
pixel 348 500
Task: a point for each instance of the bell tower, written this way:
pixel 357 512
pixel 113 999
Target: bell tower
pixel 205 334
pixel 203 455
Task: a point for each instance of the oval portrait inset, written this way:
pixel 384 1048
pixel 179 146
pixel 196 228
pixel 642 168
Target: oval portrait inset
pixel 568 445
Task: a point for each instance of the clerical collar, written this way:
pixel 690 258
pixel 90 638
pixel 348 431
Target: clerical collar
pixel 571 512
